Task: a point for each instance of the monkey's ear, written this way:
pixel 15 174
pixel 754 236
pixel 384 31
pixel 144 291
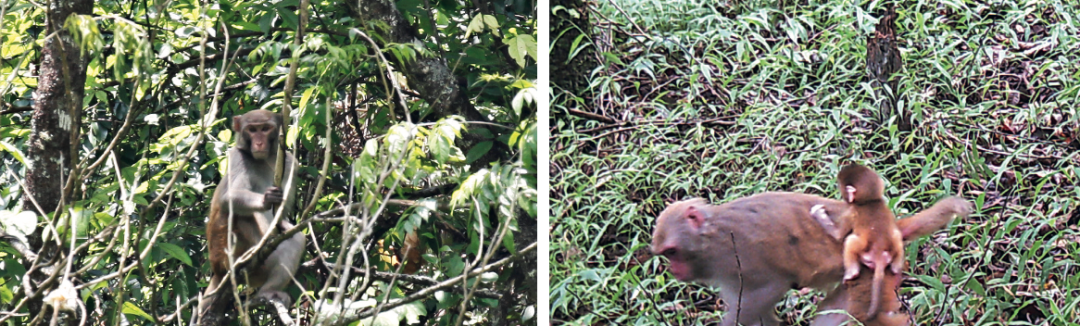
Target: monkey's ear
pixel 236 123
pixel 278 119
pixel 693 214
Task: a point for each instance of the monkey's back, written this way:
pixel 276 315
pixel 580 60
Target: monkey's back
pixel 778 230
pixel 878 220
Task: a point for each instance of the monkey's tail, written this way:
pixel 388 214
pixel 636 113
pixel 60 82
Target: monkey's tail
pixel 875 288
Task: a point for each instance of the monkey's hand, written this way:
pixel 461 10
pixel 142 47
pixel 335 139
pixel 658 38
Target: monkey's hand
pixel 272 197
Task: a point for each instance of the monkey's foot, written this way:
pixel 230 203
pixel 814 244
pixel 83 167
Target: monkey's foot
pixel 897 268
pixel 277 296
pixel 851 273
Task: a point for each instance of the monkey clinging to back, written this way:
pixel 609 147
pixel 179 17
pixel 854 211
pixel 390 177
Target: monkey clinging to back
pixel 854 296
pixel 875 240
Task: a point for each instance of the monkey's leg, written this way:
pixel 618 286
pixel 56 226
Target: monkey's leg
pixel 897 262
pixel 281 266
pixel 853 246
pixel 756 306
pixel 208 298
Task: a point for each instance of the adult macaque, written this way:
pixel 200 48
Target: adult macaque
pixel 875 241
pixel 247 196
pixel 853 296
pixel 757 248
pixel 754 249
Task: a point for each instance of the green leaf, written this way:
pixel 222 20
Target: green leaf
pixel 306 97
pixel 439 147
pixel 18 224
pixel 265 22
pixel 175 251
pixel 6 295
pixel 508 242
pixel 385 318
pixel 476 25
pixel 528 149
pixel 412 311
pixel 520 46
pixel 478 151
pixel 171 138
pixel 493 23
pixel 368 162
pixel 132 309
pixel 524 96
pixel 290 18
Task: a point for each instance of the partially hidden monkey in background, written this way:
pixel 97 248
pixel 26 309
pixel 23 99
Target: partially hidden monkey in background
pixel 854 296
pixel 875 240
pixel 757 248
pixel 247 191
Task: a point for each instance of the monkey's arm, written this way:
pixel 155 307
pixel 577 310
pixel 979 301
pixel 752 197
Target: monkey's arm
pixel 242 201
pixel 239 184
pixel 832 216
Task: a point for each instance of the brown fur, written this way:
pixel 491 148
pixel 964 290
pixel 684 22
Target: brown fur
pixel 853 296
pixel 875 240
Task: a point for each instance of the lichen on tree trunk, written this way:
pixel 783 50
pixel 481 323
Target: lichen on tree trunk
pixel 57 105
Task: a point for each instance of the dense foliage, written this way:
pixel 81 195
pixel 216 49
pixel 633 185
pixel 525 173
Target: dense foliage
pixel 417 117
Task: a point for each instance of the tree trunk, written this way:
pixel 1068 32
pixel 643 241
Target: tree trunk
pixel 57 104
pixel 882 61
pixel 57 109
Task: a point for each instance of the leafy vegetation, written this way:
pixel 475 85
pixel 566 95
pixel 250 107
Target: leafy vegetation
pixel 724 99
pixel 410 118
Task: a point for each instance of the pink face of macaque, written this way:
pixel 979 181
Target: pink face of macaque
pixel 679 219
pixel 258 133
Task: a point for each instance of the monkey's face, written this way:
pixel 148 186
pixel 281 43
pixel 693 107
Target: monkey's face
pixel 676 230
pixel 261 138
pixel 258 134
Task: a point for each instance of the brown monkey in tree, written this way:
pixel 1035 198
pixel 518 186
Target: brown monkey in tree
pixel 248 194
pixel 412 251
pixel 875 239
pixel 757 248
pixel 853 297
